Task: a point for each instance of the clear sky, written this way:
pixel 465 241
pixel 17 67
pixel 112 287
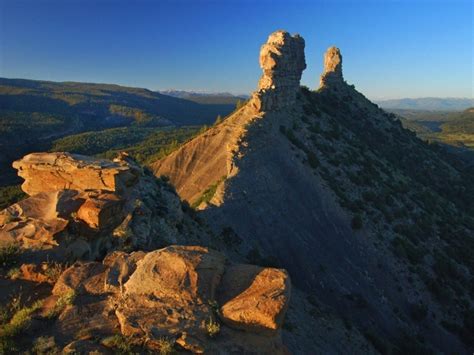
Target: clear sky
pixel 391 49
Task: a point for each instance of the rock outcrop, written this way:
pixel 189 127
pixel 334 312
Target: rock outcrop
pixel 212 158
pixel 332 73
pixel 46 172
pixel 282 61
pixel 82 207
pixel 172 293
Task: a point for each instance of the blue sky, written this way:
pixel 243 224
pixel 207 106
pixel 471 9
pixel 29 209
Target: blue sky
pixel 391 49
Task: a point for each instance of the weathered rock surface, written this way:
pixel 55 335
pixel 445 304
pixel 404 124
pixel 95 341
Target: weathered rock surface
pixel 45 172
pixel 254 298
pixel 82 207
pixel 332 73
pixel 282 61
pixel 172 293
pixel 212 158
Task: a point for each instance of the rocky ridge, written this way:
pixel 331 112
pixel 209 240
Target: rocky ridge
pixel 334 190
pixel 82 207
pixel 282 61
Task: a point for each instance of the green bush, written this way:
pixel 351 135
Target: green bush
pixel 10 195
pixel 208 194
pixel 8 255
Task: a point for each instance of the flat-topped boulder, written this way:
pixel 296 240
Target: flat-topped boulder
pixel 81 207
pixel 44 172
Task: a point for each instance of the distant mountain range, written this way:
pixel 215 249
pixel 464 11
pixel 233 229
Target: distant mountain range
pixel 205 97
pixel 428 103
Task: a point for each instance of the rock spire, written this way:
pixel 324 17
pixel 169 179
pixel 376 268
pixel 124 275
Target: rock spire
pixel 282 61
pixel 332 74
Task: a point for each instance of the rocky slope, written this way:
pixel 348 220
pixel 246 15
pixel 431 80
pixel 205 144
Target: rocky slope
pixel 188 296
pixel 186 299
pixel 85 207
pixel 369 221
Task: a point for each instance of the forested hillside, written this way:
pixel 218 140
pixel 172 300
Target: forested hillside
pixel 35 113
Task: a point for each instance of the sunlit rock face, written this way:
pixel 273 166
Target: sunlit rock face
pixel 282 61
pixel 332 74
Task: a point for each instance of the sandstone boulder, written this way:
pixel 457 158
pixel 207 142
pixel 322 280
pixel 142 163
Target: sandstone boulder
pixel 33 222
pixel 81 208
pixel 181 272
pixel 101 211
pixel 253 298
pixel 44 172
pixel 171 293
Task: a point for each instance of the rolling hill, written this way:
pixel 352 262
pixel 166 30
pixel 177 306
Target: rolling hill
pixel 34 113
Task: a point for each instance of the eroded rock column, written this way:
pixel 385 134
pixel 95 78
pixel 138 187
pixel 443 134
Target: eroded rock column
pixel 282 61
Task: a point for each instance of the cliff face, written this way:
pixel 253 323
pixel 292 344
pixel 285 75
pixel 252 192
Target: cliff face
pixel 321 183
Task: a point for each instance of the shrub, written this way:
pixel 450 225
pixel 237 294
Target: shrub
pixel 45 345
pixel 10 195
pixel 8 254
pixel 208 194
pixel 357 222
pixel 54 270
pixel 20 321
pixel 119 343
pixel 213 328
pixel 404 248
pixel 14 273
pixel 166 346
pixel 63 301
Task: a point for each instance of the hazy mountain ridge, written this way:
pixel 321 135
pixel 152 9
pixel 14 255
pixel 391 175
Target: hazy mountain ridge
pixel 206 97
pixel 427 103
